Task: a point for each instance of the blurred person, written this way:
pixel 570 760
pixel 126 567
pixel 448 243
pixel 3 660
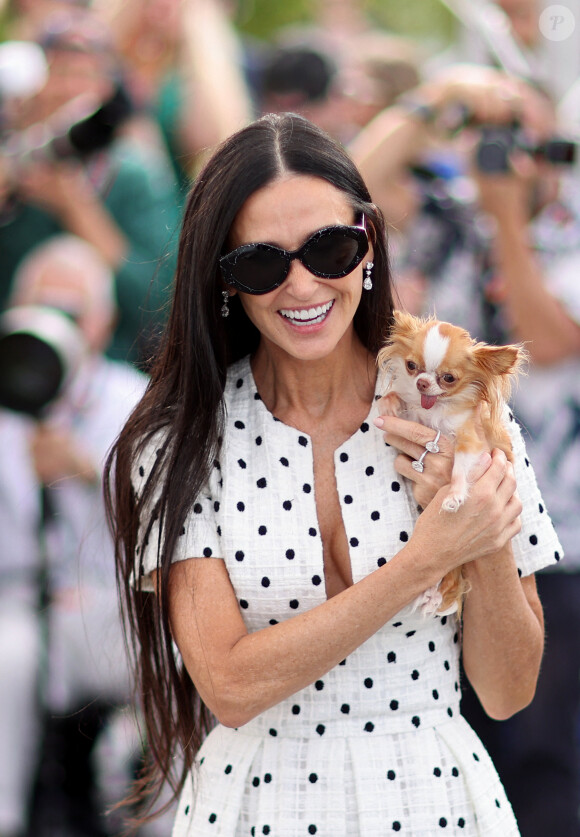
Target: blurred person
pixel 339 88
pixel 302 77
pixel 341 19
pixel 554 63
pixel 427 119
pixel 569 110
pixel 112 193
pixel 378 64
pixel 21 19
pixel 522 286
pixel 61 645
pixel 339 70
pixel 416 159
pixel 185 66
pixel 541 37
pixel 389 66
pixel 536 294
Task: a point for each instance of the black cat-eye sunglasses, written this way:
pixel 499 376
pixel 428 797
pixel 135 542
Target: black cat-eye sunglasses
pixel 329 253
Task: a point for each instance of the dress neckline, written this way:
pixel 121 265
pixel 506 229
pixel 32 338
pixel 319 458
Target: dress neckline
pixel 267 415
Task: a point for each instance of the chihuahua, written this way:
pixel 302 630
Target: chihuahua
pixel 440 377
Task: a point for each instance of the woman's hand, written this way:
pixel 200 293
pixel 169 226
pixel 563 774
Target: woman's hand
pixel 410 439
pixel 490 517
pixel 482 526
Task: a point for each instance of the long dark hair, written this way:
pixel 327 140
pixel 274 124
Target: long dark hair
pixel 184 404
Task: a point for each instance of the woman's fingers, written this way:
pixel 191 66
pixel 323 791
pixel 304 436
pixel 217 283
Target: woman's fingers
pixel 508 490
pixel 499 476
pixel 411 438
pixel 497 490
pixel 426 484
pixel 492 477
pixel 480 467
pixel 414 441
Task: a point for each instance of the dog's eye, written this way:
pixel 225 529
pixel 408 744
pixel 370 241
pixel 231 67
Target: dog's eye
pixel 448 378
pixel 411 366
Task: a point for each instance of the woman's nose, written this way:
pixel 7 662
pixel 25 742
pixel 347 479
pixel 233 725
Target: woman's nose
pixel 300 282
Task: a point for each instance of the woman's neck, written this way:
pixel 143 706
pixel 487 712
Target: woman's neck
pixel 304 392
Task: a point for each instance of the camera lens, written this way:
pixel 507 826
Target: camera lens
pixel 40 349
pixel 31 373
pixel 494 148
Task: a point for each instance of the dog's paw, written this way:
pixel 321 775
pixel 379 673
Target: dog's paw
pixel 390 404
pixel 453 502
pixel 429 601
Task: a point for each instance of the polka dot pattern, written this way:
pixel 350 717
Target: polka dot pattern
pixel 387 716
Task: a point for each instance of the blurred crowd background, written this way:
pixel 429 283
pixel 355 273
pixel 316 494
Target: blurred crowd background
pixel 464 117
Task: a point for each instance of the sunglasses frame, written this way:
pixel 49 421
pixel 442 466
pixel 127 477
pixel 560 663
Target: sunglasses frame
pixel 357 233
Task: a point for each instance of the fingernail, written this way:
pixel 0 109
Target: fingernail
pixel 379 422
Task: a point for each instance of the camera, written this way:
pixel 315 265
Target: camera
pixel 92 129
pixel 41 348
pixel 79 129
pixel 497 142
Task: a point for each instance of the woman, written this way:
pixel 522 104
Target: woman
pixel 278 546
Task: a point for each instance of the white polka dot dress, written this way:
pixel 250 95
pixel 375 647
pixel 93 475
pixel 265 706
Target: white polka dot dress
pixel 377 746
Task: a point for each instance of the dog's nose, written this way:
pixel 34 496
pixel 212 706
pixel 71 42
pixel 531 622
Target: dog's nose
pixel 423 384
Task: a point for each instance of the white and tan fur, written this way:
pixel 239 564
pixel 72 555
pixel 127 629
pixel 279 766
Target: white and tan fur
pixel 439 376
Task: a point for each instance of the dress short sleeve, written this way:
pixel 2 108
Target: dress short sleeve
pixel 200 535
pixel 537 545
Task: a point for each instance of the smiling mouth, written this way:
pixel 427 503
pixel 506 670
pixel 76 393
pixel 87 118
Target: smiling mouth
pixel 307 316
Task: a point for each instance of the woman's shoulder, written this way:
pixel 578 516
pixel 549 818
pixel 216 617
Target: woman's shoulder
pixel 240 393
pixel 239 373
pixel 148 455
pixel 152 449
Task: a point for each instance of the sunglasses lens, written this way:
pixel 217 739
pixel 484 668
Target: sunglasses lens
pixel 334 253
pixel 259 269
pixel 330 253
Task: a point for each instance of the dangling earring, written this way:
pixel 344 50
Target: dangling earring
pixel 225 311
pixel 368 280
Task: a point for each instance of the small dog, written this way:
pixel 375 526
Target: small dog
pixel 439 377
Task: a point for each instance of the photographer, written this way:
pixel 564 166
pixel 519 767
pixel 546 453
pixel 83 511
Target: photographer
pixel 116 196
pixel 61 646
pixel 522 287
pixel 416 157
pixel 536 214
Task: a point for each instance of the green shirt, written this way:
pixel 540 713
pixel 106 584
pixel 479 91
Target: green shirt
pixel 139 191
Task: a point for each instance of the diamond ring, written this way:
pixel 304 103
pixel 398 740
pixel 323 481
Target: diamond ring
pixel 430 447
pixel 433 447
pixel 417 464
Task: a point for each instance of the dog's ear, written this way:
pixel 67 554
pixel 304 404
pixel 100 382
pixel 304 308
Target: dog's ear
pixel 498 366
pixel 404 328
pixel 385 355
pixel 499 360
pixel 400 323
pixel 405 323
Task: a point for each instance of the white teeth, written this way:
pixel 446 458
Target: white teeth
pixel 307 314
